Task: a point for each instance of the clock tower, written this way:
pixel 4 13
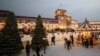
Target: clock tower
pixel 63 19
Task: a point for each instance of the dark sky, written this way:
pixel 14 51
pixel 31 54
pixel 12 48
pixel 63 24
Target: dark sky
pixel 78 9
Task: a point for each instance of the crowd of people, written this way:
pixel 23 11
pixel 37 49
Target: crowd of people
pixel 81 39
pixel 28 48
pixel 88 41
pixel 68 42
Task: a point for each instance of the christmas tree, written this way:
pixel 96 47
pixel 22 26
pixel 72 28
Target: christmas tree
pixel 39 35
pixel 10 40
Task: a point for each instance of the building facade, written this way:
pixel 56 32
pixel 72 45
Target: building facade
pixel 61 20
pixel 96 24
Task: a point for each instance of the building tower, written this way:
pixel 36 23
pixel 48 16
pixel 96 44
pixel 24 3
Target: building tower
pixel 63 19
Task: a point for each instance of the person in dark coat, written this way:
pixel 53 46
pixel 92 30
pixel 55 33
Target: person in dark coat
pixel 27 48
pixel 53 40
pixel 37 51
pixel 65 44
pixel 87 43
pixel 72 39
pixel 91 42
pixel 68 44
pixel 83 40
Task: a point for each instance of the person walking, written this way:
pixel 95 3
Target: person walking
pixel 91 42
pixel 28 48
pixel 68 44
pixel 83 40
pixel 72 39
pixel 87 43
pixel 38 51
pixel 53 40
pixel 65 42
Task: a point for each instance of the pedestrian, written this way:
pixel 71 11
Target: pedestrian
pixel 53 40
pixel 37 51
pixel 82 38
pixel 28 48
pixel 87 43
pixel 72 39
pixel 68 44
pixel 78 39
pixel 84 42
pixel 65 44
pixel 91 42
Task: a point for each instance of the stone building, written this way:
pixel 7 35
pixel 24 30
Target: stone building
pixel 61 20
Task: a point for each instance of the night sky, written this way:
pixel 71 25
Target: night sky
pixel 78 9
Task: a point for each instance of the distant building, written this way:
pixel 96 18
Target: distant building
pixel 96 24
pixel 61 20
